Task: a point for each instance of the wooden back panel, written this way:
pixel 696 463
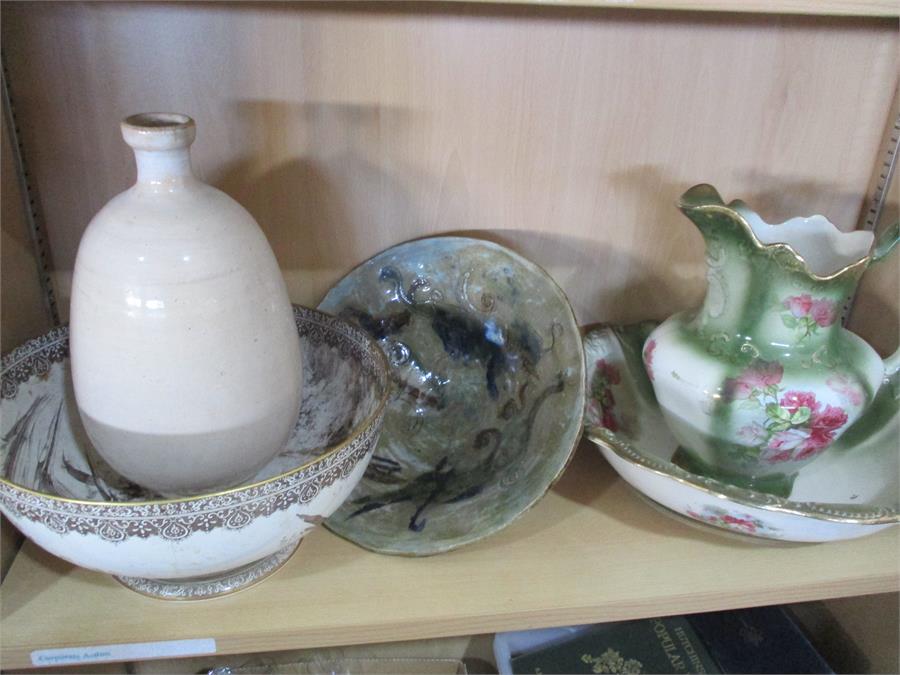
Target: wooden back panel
pixel 566 133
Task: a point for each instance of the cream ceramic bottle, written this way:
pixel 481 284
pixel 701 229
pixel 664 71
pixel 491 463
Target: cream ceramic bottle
pixel 185 356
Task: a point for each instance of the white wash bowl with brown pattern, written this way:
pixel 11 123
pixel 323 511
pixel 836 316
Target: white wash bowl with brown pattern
pixel 59 493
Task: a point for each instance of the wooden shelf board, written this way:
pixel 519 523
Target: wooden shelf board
pixel 592 550
pixel 816 7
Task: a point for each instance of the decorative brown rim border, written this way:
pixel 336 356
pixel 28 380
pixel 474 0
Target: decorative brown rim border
pixel 118 522
pixel 35 357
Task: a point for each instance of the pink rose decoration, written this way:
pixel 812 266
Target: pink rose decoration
pixel 822 430
pixel 648 358
pixel 830 420
pixel 603 401
pixel 849 391
pixel 823 312
pixel 798 443
pixel 764 373
pixel 808 314
pixel 716 516
pixel 783 444
pixel 791 439
pixel 606 398
pixel 759 375
pixel 812 447
pixel 608 420
pixel 782 456
pixel 795 426
pixel 819 439
pixel 742 523
pixel 608 372
pixel 754 433
pixel 799 305
pixel 793 400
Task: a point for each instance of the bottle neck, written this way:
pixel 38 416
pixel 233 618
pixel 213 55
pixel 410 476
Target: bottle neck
pixel 165 169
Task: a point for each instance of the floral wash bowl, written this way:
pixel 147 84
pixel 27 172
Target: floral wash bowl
pixel 59 493
pixel 852 490
pixel 488 375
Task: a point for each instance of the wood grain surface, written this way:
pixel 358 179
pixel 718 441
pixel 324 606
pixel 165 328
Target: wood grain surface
pixel 876 312
pixel 22 309
pixel 566 133
pixel 821 7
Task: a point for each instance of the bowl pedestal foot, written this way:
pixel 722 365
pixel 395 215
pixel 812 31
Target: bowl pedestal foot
pixel 213 585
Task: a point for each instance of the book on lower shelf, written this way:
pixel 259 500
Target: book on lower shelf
pixel 757 640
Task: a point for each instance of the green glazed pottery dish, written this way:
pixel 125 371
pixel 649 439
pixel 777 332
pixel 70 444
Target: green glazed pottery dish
pixel 488 400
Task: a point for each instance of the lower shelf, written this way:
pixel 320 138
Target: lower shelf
pixel 590 551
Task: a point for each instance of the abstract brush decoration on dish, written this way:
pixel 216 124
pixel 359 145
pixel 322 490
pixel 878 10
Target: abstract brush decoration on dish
pixel 488 392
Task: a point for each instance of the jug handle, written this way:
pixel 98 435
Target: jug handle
pixel 892 374
pixel 883 247
pixel 886 243
pixel 892 365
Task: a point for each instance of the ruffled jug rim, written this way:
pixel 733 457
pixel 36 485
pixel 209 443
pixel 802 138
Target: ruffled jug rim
pixel 705 198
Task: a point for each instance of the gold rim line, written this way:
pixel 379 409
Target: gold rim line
pixel 330 451
pixel 732 493
pixel 730 210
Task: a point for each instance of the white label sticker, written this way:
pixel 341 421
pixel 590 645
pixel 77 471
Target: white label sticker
pixel 132 651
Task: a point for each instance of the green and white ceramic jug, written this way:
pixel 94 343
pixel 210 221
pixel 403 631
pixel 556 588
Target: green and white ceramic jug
pixel 763 378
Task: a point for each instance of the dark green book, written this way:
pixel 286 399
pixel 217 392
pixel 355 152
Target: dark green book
pixel 667 645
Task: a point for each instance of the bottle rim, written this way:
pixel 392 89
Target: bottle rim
pixel 158 130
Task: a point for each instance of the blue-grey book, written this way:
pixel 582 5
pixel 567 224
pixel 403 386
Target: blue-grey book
pixel 758 640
